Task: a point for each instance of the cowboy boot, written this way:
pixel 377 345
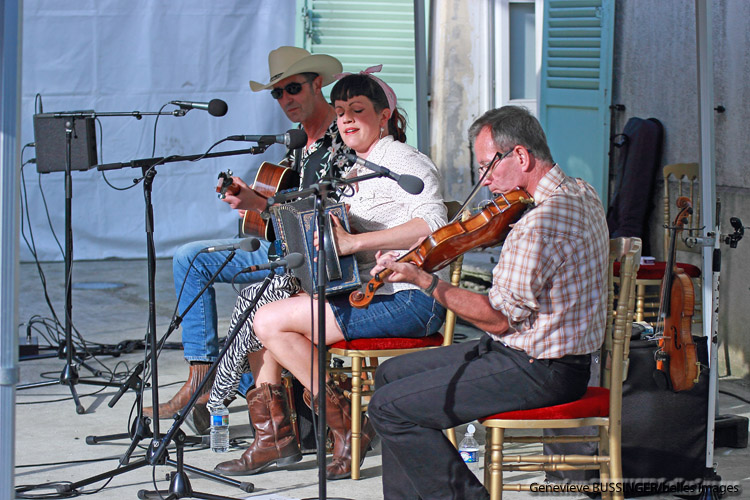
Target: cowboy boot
pixel 339 420
pixel 179 400
pixel 275 441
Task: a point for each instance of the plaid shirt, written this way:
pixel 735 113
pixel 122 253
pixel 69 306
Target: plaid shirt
pixel 551 279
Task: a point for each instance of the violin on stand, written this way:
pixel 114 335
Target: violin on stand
pixel 677 366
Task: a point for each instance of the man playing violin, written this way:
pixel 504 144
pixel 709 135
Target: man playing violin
pixel 543 316
pixel 296 80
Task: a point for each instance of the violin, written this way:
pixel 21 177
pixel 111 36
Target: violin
pixel 676 359
pixel 487 228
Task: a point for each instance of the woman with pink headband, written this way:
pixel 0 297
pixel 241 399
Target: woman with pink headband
pixel 382 217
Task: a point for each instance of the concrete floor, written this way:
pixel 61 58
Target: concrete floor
pixel 51 438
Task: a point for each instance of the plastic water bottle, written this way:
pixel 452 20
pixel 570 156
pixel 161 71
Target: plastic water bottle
pixel 469 449
pixel 220 429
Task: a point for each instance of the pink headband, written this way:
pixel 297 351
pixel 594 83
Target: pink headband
pixel 389 93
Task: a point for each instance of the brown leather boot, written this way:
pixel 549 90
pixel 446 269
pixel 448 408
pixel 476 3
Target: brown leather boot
pixel 339 420
pixel 275 441
pixel 179 400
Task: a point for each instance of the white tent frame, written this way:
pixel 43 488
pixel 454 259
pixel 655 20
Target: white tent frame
pixel 711 231
pixel 10 143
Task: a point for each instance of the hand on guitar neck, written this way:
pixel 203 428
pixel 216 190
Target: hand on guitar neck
pixel 239 195
pixel 251 201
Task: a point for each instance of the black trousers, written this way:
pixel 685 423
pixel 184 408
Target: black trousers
pixel 418 395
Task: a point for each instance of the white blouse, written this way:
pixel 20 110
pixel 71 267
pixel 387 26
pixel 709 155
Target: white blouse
pixel 380 203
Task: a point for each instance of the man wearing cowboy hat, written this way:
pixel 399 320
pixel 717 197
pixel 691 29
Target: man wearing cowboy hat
pixel 296 80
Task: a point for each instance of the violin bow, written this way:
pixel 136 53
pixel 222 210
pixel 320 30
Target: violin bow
pixel 471 196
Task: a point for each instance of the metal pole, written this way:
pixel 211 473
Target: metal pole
pixel 10 126
pixel 704 45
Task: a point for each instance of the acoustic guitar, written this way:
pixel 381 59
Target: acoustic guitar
pixel 269 180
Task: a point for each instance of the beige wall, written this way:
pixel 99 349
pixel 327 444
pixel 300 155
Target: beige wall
pixel 655 75
pixel 460 85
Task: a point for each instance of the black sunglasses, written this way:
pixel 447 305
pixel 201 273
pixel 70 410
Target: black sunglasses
pixel 293 88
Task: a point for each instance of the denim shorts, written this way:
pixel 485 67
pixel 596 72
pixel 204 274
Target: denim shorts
pixel 408 313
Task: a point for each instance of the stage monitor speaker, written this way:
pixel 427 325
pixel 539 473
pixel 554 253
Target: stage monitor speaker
pixel 49 136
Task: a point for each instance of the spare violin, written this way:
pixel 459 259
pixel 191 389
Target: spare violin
pixel 676 359
pixel 487 228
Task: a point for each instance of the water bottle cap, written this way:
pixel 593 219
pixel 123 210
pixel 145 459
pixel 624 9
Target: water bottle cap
pixel 470 429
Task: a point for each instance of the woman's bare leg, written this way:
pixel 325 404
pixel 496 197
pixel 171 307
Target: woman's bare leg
pixel 285 327
pixel 264 367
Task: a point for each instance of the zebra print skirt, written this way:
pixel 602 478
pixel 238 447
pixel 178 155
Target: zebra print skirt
pixel 234 363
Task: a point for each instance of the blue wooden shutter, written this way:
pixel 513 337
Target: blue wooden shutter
pixel 364 33
pixel 576 86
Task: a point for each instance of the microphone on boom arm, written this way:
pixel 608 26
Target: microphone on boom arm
pixel 292 139
pixel 247 245
pixel 292 261
pixel 215 107
pixel 409 183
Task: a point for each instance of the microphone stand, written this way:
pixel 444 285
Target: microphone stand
pixel 155 454
pixel 179 486
pixel 320 191
pixel 69 373
pixel 144 163
pixel 140 428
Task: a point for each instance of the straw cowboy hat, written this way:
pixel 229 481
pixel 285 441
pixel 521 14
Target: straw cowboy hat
pixel 287 61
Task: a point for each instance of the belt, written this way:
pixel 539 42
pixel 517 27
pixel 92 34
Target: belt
pixel 574 359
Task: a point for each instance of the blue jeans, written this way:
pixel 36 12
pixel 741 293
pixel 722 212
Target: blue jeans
pixel 407 313
pixel 200 338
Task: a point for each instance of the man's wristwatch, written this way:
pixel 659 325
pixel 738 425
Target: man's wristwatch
pixel 433 285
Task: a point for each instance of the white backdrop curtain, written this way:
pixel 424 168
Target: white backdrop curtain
pixel 114 55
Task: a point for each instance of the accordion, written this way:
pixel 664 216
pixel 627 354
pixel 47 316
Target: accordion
pixel 294 225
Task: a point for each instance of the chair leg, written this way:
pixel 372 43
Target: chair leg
pixel 615 464
pixel 356 414
pixel 605 475
pixel 451 433
pixel 368 378
pixel 493 462
pixel 640 301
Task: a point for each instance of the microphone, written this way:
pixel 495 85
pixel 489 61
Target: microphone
pixel 248 245
pixel 216 107
pixel 409 183
pixel 292 261
pixel 292 139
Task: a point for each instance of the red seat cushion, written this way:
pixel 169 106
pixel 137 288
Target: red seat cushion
pixel 380 344
pixel 595 403
pixel 655 271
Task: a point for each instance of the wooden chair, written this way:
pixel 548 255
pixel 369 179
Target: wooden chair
pixel 372 349
pixel 600 406
pixel 680 179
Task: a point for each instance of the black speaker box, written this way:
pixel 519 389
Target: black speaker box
pixel 51 147
pixel 664 433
